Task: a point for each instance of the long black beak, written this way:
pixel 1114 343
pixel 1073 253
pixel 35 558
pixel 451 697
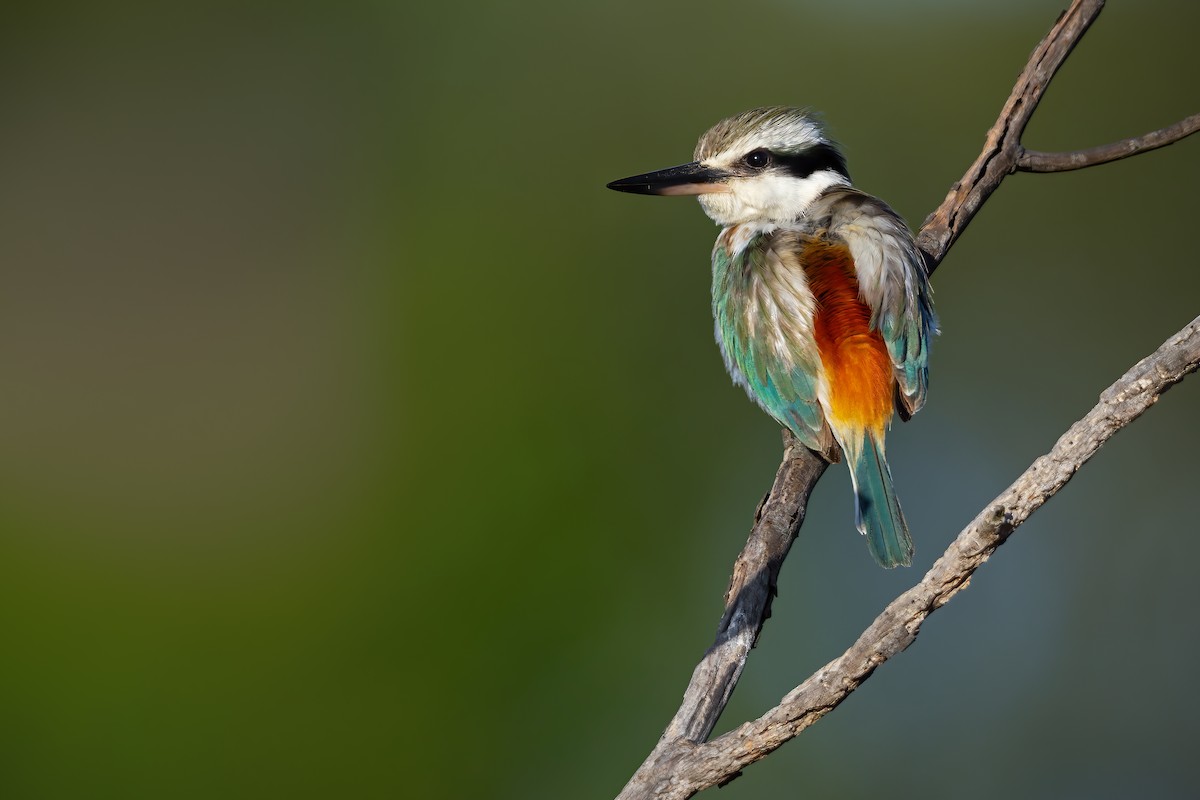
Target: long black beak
pixel 693 178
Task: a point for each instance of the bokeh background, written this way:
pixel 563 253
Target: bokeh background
pixel 356 442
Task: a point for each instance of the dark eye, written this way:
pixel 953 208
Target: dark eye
pixel 757 158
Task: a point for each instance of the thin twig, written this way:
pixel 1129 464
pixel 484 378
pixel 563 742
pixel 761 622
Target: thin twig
pixel 1037 161
pixel 690 768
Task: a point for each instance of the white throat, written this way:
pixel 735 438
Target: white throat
pixel 769 198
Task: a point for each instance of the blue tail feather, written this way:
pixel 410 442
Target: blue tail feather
pixel 877 511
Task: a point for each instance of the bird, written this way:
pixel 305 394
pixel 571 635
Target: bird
pixel 820 297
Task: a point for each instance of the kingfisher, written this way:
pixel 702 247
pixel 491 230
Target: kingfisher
pixel 820 297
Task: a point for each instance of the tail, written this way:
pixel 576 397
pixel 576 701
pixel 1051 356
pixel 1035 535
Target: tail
pixel 877 511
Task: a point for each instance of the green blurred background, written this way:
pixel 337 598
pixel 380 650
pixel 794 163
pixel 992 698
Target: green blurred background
pixel 356 442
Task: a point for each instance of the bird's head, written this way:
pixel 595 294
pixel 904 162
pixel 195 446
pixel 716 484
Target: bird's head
pixel 766 165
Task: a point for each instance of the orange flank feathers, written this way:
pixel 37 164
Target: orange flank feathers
pixel 857 365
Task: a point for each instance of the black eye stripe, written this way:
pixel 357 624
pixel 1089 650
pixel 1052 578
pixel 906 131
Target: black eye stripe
pixel 814 159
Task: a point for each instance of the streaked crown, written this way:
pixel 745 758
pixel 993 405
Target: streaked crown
pixel 777 128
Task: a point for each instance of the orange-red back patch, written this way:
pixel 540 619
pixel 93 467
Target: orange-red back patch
pixel 856 360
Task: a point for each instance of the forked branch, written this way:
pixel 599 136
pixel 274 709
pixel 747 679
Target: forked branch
pixel 687 767
pixel 1002 145
pixel 681 764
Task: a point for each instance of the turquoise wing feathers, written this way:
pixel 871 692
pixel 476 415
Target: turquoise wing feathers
pixel 784 384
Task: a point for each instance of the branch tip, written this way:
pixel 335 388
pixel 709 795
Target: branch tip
pixel 1037 161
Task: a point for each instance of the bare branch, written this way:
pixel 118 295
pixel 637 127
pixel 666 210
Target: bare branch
pixel 1036 161
pixel 748 599
pixel 783 511
pixel 747 607
pixel 680 765
pixel 687 767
